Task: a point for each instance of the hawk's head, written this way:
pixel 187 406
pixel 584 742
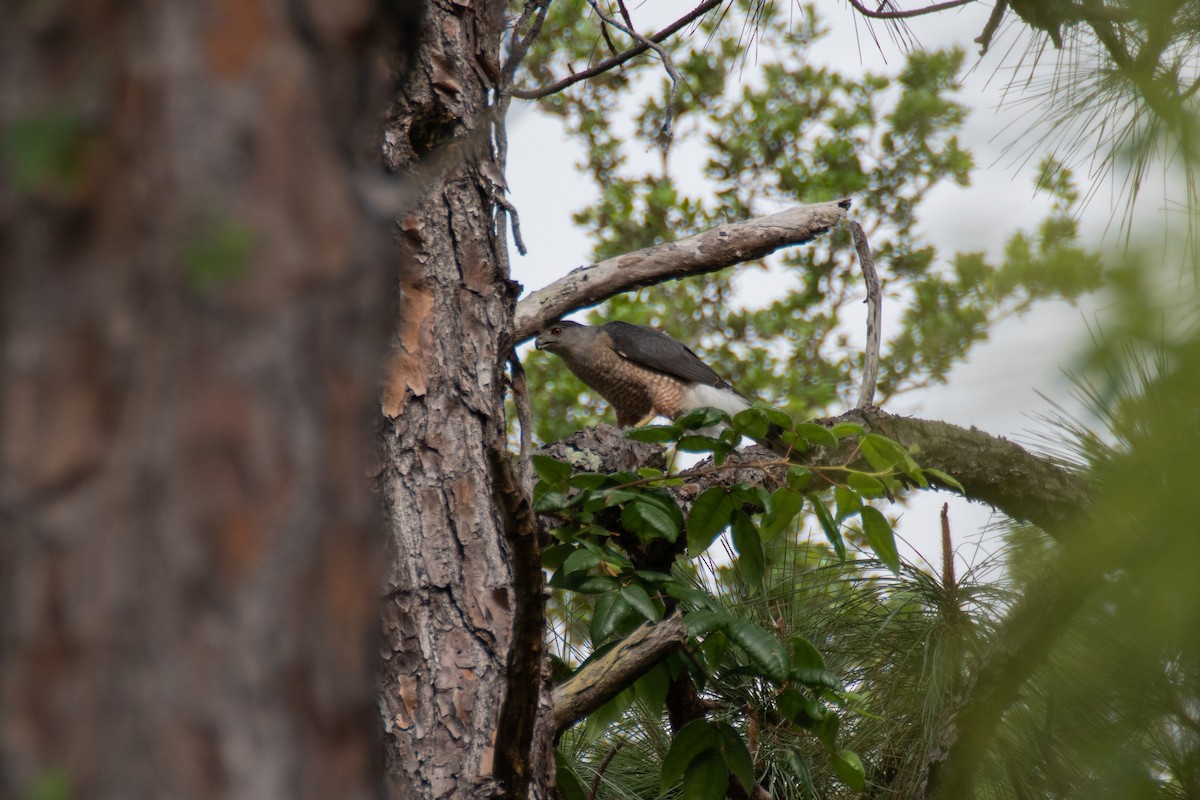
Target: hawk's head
pixel 563 335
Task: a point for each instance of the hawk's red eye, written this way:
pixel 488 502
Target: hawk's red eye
pixel 556 331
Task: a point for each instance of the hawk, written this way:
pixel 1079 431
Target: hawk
pixel 642 372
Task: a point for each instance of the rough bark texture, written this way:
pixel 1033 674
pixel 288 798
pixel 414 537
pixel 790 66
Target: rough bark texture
pixel 455 710
pixel 192 316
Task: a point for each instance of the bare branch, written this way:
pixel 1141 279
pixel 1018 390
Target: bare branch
pixel 520 45
pixel 717 248
pixel 866 395
pixel 617 60
pixel 669 65
pixel 916 12
pixel 603 679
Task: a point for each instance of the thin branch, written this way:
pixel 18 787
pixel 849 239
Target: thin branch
pixel 499 199
pixel 603 766
pixel 521 45
pixel 716 248
pixel 617 60
pixel 669 65
pixel 916 12
pixel 866 394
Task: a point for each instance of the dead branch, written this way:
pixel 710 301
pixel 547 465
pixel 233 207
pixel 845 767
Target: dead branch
pixel 715 249
pixel 866 395
pixel 603 679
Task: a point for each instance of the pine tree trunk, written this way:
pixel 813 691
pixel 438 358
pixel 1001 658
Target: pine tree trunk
pixel 459 715
pixel 193 306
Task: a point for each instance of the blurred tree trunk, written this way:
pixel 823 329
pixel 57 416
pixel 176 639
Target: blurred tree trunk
pixel 464 589
pixel 193 306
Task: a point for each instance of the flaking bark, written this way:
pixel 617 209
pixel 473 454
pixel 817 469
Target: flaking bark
pixel 458 538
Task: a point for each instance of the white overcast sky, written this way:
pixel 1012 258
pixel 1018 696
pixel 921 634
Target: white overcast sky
pixel 997 389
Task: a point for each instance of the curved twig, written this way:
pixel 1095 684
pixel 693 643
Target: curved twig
pixel 620 58
pixel 665 131
pixel 916 12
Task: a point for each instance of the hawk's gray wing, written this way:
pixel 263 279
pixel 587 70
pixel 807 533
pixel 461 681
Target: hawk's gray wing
pixel 658 351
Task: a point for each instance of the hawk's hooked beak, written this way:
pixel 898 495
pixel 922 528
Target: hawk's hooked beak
pixel 537 343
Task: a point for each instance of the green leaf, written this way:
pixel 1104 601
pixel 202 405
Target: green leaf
pixel 693 739
pixel 791 703
pixel 816 678
pixel 549 501
pixel 942 477
pixel 689 594
pixel 751 422
pixel 554 556
pixel 880 537
pixel 785 505
pixel 817 435
pixel 586 480
pixel 706 778
pixel 798 766
pixel 832 533
pixel 776 417
pixel 710 515
pixel 825 726
pixel 849 768
pixel 848 502
pixel 882 453
pixel 805 655
pixel 551 470
pixel 592 584
pixel 736 755
pixel 701 622
pixel 748 498
pixel 799 478
pixel 580 561
pixel 695 443
pixel 654 434
pixel 746 541
pixel 865 485
pixel 701 418
pixel 639 600
pixel 843 429
pixel 761 646
pixel 611 610
pixel 650 519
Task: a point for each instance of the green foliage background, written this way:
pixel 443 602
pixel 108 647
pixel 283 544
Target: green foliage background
pixel 1106 702
pixel 787 133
